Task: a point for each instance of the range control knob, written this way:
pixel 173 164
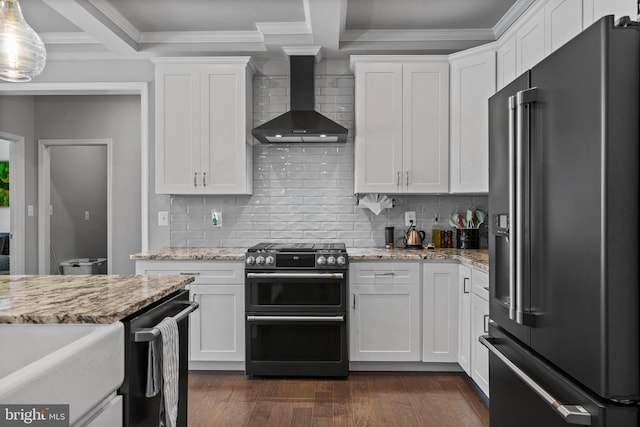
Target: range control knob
pixel 321 260
pixel 250 260
pixel 331 260
pixel 260 260
pixel 270 260
pixel 342 260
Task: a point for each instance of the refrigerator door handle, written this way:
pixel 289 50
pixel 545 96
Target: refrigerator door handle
pixel 571 414
pixel 523 98
pixel 512 207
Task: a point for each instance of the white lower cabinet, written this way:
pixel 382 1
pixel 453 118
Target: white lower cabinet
pixel 384 312
pixel 440 312
pixel 479 353
pixel 216 329
pixel 464 318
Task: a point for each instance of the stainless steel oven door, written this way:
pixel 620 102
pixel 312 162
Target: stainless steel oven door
pixel 296 291
pixel 311 345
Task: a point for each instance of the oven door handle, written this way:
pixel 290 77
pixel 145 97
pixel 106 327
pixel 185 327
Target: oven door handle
pixel 295 276
pixel 296 318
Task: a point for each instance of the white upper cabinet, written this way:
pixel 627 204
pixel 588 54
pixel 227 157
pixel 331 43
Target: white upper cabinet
pixel 563 21
pixel 507 69
pixel 402 116
pixel 473 81
pixel 596 9
pixel 203 114
pixel 530 42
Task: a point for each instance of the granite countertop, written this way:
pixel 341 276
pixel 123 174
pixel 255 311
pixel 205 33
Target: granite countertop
pixel 80 298
pixel 476 257
pixel 193 254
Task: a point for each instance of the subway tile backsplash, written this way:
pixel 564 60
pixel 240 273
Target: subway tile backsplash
pixel 303 192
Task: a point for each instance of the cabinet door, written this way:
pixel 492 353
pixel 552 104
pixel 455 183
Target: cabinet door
pixel 440 313
pixel 425 127
pixel 378 141
pixel 177 113
pixel 507 70
pixel 385 323
pixel 596 9
pixel 530 42
pixel 479 353
pixel 223 130
pixel 464 318
pixel 217 327
pixel 473 81
pixel 562 22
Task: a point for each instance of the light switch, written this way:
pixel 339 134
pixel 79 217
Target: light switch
pixel 30 210
pixel 163 218
pixel 87 216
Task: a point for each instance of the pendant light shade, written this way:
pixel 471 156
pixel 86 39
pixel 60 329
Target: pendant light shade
pixel 22 52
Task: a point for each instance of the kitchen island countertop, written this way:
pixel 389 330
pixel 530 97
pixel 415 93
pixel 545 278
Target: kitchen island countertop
pixel 81 298
pixel 478 258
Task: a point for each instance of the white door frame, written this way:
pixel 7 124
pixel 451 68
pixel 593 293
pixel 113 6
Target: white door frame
pixel 101 88
pixel 17 202
pixel 44 197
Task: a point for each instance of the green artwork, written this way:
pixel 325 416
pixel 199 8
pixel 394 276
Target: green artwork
pixel 4 184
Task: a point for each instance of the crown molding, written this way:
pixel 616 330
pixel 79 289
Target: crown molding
pixel 107 9
pixel 279 28
pixel 512 15
pixel 303 51
pixel 201 37
pixel 417 35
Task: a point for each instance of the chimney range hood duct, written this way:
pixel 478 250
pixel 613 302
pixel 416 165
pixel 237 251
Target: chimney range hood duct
pixel 302 123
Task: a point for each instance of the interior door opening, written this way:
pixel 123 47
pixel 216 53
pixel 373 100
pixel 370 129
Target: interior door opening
pixel 75 193
pixel 12 204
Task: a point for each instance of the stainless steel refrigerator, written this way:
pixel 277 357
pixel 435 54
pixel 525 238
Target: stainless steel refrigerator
pixel 563 199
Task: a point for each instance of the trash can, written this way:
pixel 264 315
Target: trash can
pixel 84 266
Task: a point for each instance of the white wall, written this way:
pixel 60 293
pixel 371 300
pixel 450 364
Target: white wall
pixel 115 117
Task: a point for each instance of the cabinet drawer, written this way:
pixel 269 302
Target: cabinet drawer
pixel 480 283
pixel 396 273
pixel 206 272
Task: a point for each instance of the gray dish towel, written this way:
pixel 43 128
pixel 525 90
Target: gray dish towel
pixel 162 371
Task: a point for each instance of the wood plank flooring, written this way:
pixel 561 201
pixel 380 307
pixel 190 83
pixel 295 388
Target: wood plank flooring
pixel 363 399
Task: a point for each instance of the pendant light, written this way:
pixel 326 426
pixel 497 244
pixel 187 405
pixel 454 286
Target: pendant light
pixel 22 52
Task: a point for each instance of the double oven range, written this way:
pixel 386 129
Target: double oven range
pixel 296 310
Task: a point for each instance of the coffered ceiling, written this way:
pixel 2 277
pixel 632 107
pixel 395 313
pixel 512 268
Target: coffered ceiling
pixel 151 28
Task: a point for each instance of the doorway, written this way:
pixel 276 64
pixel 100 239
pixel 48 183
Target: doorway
pixel 12 223
pixel 75 191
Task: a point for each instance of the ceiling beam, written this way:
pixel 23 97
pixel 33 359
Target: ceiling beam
pixel 89 19
pixel 327 20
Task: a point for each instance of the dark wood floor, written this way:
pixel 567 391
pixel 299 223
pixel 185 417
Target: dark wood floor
pixel 363 399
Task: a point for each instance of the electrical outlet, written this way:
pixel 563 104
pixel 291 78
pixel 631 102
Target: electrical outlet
pixel 87 215
pixel 30 210
pixel 163 218
pixel 408 217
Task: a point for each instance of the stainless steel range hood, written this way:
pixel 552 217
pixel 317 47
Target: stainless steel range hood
pixel 302 123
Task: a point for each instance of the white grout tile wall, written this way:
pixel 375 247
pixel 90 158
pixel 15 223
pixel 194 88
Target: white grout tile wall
pixel 303 192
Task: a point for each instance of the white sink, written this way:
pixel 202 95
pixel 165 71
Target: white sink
pixel 79 365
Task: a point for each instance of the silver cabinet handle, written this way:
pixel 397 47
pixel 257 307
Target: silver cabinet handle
pixel 407 174
pixel 571 414
pixel 398 179
pixel 512 208
pixel 485 320
pixel 354 302
pixel 143 335
pixel 189 274
pixel 386 273
pixel 204 179
pixel 523 98
pixel 296 318
pixel 195 179
pixel 295 276
pixel 465 288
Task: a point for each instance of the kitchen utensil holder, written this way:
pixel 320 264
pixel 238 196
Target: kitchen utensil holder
pixel 467 238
